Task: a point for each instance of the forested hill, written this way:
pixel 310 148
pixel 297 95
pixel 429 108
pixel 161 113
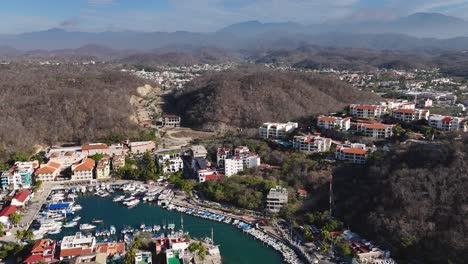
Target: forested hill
pixel 414 198
pixel 247 97
pixel 49 104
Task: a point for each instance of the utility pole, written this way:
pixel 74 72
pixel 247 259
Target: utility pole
pixel 331 195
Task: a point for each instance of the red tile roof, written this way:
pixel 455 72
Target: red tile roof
pixel 447 119
pixel 70 252
pixel 354 151
pixel 405 111
pixel 94 146
pixel 375 126
pixel 327 118
pixel 364 107
pixel 86 165
pixel 42 244
pixel 7 211
pixel 22 195
pixel 302 192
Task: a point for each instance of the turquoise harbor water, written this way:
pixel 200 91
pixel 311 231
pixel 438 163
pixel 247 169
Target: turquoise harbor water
pixel 236 247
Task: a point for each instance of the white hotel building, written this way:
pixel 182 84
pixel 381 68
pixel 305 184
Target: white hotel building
pixel 408 115
pixel 331 122
pixel 448 123
pixel 277 130
pixel 312 143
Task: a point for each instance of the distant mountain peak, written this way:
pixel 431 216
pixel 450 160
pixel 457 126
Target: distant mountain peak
pixel 433 17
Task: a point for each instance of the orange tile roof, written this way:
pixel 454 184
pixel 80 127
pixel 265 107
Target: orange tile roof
pixel 363 107
pixel 405 111
pixel 375 126
pixel 354 151
pixel 70 252
pixel 41 244
pixel 45 170
pixel 94 146
pixel 86 165
pixel 54 164
pixel 327 118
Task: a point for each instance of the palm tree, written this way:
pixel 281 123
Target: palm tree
pixel 14 218
pixel 19 234
pixel 28 234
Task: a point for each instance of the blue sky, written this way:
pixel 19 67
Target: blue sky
pixel 202 15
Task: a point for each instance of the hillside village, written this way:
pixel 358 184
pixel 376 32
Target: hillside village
pixel 350 136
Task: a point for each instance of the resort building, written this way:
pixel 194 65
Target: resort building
pixel 19 175
pixel 353 153
pixel 277 130
pixel 43 251
pixel 408 115
pixel 76 245
pixel 366 111
pixel 141 147
pixel 101 148
pixel 312 143
pixel 21 198
pixel 168 120
pixel 84 170
pixel 143 257
pixel 277 198
pixel 65 156
pixel 448 123
pixel 118 161
pixel 171 162
pixel 331 122
pixel 103 168
pixel 48 172
pixel 376 130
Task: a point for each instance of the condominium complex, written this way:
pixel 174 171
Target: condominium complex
pixel 235 160
pixel 277 130
pixel 353 153
pixel 376 130
pixel 168 120
pixel 312 143
pixel 448 123
pixel 408 115
pixel 366 111
pixel 331 122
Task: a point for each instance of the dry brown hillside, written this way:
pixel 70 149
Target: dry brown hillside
pixel 249 96
pixel 50 104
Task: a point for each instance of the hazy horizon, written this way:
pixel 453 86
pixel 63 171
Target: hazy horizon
pixel 204 15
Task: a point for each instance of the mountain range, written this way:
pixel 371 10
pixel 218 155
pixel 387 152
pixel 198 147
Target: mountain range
pixel 428 31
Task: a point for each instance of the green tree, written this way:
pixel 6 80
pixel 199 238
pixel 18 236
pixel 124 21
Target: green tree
pixel 28 234
pixel 14 218
pixel 2 230
pixel 97 157
pixel 19 234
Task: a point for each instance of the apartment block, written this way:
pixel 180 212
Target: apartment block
pixel 353 153
pixel 277 130
pixel 331 122
pixel 376 130
pixel 448 123
pixel 366 111
pixel 83 170
pixel 19 175
pixel 48 172
pixel 171 162
pixel 312 143
pixel 408 115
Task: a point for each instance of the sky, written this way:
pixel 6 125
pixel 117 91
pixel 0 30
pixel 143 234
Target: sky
pixel 20 16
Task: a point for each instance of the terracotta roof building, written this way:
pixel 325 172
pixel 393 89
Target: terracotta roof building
pixel 353 153
pixel 48 172
pixel 43 251
pixel 331 122
pixel 83 170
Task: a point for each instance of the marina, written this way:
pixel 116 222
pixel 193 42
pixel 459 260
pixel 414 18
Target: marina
pixel 119 222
